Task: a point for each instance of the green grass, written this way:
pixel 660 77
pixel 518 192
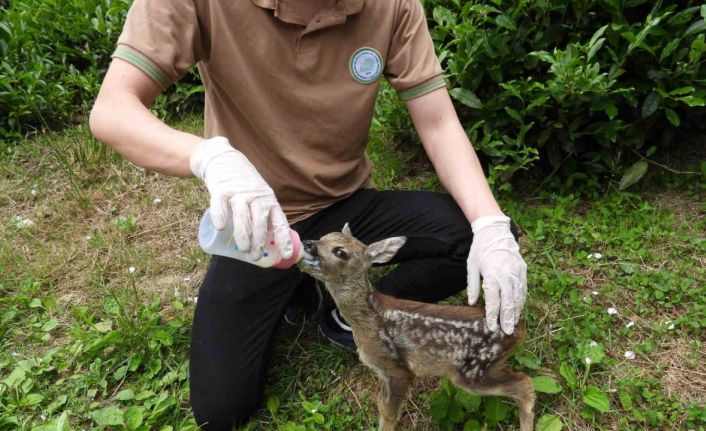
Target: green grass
pixel 87 344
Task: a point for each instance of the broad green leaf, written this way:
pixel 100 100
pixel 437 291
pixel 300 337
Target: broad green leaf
pixel 162 336
pixel 495 411
pixel 108 416
pixel 545 384
pixel 549 423
pixel 667 50
pixel 472 425
pixel 467 97
pixel 703 11
pixel 469 401
pixel 111 305
pixel 125 394
pixel 505 22
pixel 514 114
pixel 49 325
pixel 120 373
pixel 15 377
pixel 439 405
pixel 703 168
pixel 597 35
pixel 58 402
pixel 692 101
pixel 673 117
pixel 455 413
pixel 633 174
pixel 651 104
pixel 62 423
pixel 104 326
pixel 682 90
pixel 594 48
pixel 133 417
pixel 625 400
pixel 596 398
pixel 695 28
pixel 443 16
pixel 569 375
pixel 611 111
pixel 31 399
pixel 272 404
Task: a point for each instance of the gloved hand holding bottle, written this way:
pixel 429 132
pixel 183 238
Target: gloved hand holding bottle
pixel 239 195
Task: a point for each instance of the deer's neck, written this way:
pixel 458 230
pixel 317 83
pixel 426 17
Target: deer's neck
pixel 358 305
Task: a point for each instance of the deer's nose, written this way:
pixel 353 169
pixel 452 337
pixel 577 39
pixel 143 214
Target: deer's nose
pixel 310 247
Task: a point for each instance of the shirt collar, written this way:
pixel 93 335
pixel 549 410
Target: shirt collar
pixel 352 7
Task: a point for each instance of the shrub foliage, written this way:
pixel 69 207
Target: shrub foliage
pixel 53 55
pixel 582 85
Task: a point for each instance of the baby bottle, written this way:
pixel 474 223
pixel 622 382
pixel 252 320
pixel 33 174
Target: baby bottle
pixel 222 243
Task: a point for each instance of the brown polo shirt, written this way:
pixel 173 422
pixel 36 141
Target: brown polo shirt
pixel 295 97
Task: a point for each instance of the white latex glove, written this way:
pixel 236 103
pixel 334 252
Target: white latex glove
pixel 238 191
pixel 496 256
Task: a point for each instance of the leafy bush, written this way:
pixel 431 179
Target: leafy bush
pixel 53 55
pixel 577 87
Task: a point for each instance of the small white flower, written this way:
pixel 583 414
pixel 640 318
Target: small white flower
pixel 595 292
pixel 34 192
pixel 21 222
pixel 187 279
pixel 43 417
pixel 176 292
pixel 588 360
pixel 671 325
pixel 131 270
pixel 198 260
pixel 593 344
pixel 157 201
pixel 612 311
pixel 630 324
pixel 15 354
pixel 629 354
pixel 196 298
pixel 594 256
pixel 87 237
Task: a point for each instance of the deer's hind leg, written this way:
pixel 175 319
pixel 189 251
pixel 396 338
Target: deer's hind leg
pixel 393 388
pixel 504 382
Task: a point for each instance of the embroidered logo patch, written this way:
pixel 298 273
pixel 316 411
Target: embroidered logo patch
pixel 366 65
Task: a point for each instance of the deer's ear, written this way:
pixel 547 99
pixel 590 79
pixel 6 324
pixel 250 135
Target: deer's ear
pixel 347 229
pixel 383 251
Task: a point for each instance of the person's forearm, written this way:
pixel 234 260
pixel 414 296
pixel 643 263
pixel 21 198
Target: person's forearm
pixel 120 118
pixel 452 154
pixel 126 125
pixel 459 170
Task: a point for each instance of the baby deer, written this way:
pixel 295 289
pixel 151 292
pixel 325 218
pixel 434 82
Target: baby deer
pixel 402 339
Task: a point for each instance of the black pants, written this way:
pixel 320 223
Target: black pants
pixel 240 305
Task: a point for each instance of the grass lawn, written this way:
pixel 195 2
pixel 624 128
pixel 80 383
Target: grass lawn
pixel 99 272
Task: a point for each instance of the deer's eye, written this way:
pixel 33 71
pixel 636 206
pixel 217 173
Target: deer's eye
pixel 340 253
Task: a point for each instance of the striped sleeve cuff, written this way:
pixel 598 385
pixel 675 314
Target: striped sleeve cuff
pixel 422 89
pixel 143 63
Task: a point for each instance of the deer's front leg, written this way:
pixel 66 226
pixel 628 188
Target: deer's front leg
pixel 393 388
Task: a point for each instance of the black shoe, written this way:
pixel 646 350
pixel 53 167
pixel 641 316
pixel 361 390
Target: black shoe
pixel 334 327
pixel 307 299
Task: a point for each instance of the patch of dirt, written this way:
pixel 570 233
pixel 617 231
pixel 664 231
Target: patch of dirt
pixel 684 375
